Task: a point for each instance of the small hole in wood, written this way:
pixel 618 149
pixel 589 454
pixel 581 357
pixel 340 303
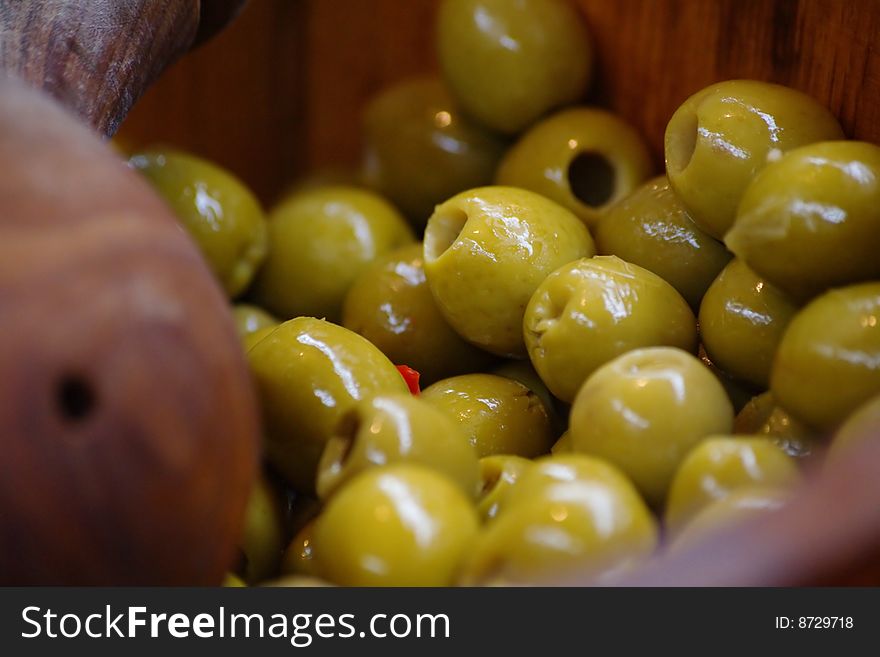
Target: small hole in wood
pixel 592 179
pixel 75 398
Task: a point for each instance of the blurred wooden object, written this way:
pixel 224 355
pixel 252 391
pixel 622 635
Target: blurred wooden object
pixel 98 57
pixel 280 93
pixel 128 425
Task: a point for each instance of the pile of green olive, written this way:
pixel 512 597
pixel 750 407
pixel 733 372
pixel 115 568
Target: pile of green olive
pixel 612 364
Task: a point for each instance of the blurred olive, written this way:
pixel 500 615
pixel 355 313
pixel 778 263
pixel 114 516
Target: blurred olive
pixel 724 134
pixel 563 445
pixel 591 310
pixel 250 319
pixel 218 210
pixel 763 417
pixel 811 220
pixel 720 465
pixel 509 61
pixel 585 159
pixel 498 474
pixel 739 392
pixel 487 250
pixel 498 415
pixel 392 429
pixel 398 525
pixel 420 149
pixel 262 539
pixel 828 362
pixel 567 515
pixel 299 557
pixel 233 581
pixel 861 426
pixel 644 411
pixel 309 373
pixel 391 305
pixel 742 319
pixel 319 241
pixel 650 228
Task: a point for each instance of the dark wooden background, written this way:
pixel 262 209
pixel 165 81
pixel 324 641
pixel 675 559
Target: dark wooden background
pixel 280 92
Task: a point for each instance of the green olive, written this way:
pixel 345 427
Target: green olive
pixel 219 212
pixel 507 63
pixel 645 410
pixel 724 134
pixel 762 416
pixel 828 362
pixel 742 319
pixel 233 581
pixel 319 241
pixel 398 525
pixel 250 319
pixel 499 415
pixel 498 473
pixel 740 393
pixel 722 464
pixel 650 228
pixel 487 250
pixel 420 149
pixel 592 310
pixel 585 159
pixel 563 445
pixel 299 557
pixel 811 220
pixel 263 536
pixel 522 371
pixel 391 305
pixel 309 373
pixel 392 429
pixel 566 515
pixel 740 506
pixel 297 581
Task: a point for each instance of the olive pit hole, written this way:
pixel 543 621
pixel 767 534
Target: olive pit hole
pixel 681 141
pixel 75 398
pixel 592 178
pixel 343 439
pixel 442 231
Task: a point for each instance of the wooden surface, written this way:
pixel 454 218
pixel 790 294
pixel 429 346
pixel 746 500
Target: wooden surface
pixel 281 91
pixel 128 425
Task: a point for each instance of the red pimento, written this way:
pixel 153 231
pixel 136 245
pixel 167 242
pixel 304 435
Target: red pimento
pixel 411 377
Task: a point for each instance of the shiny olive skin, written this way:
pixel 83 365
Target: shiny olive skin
pixel 720 137
pixel 486 252
pixel 650 228
pixel 722 464
pixel 299 557
pixel 592 310
pixel 420 149
pixel 644 411
pixel 397 525
pixel 309 373
pixel 740 506
pixel 391 305
pixel 218 211
pixel 320 239
pixel 250 319
pixel 498 474
pixel 508 62
pixel 585 159
pixel 810 221
pixel 742 320
pixel 394 429
pixel 762 416
pixel 262 539
pixel 522 371
pixel 567 515
pixel 499 415
pixel 828 362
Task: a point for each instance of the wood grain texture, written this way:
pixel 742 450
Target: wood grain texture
pixel 96 57
pixel 128 427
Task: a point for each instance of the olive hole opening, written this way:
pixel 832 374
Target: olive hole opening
pixel 442 231
pixel 343 441
pixel 75 398
pixel 681 142
pixel 592 179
